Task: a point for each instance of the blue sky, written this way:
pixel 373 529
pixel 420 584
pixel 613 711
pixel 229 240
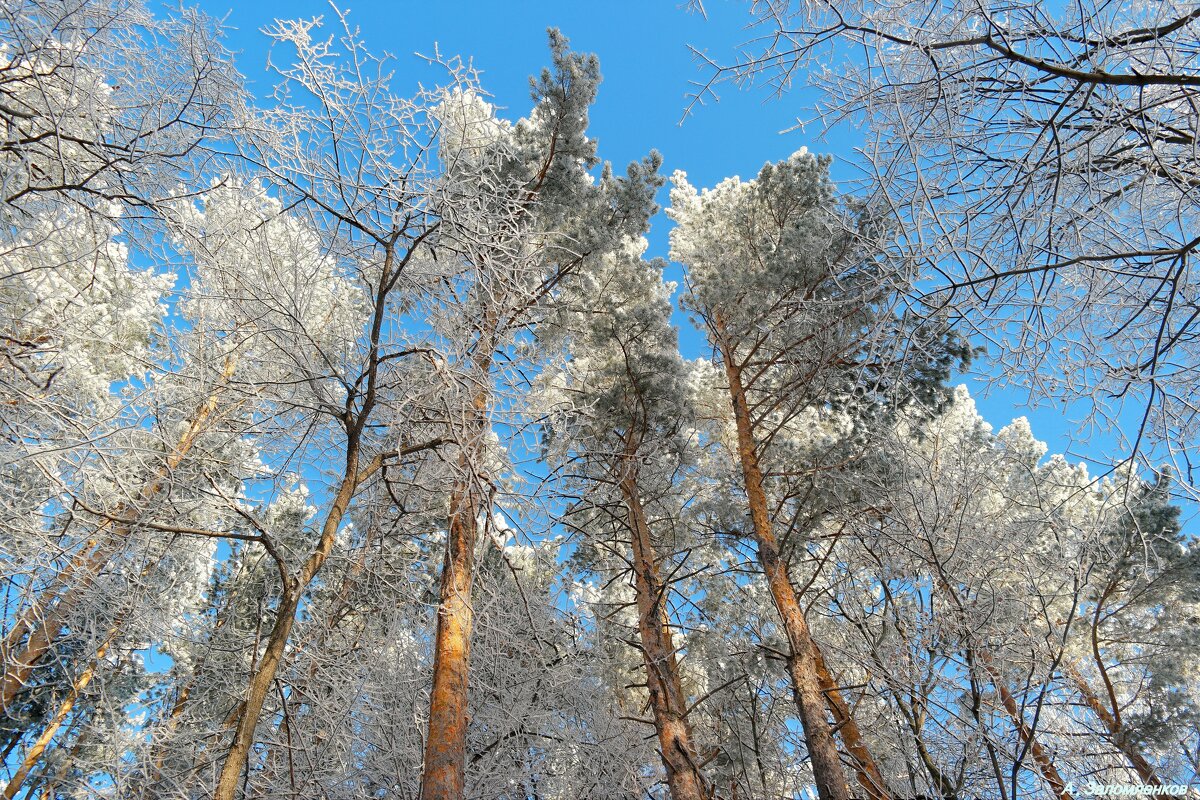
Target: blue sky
pixel 647 68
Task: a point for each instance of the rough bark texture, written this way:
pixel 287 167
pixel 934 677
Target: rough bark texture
pixel 802 665
pixel 684 777
pixel 444 775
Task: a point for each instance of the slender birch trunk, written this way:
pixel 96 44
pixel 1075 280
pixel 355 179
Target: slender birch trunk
pixel 1043 760
pixel 268 667
pixel 945 786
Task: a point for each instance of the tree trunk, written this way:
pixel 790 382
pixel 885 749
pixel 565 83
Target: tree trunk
pixel 80 683
pixel 684 777
pixel 444 773
pixel 1044 761
pixel 39 746
pixel 865 769
pixel 268 667
pixel 1116 732
pixel 802 665
pixel 54 607
pixel 300 688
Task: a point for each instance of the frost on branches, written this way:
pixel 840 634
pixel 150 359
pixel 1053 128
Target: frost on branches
pixel 1039 162
pixel 348 451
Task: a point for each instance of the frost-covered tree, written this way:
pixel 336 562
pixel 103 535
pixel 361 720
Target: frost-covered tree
pixel 526 215
pixel 367 324
pixel 798 302
pixel 1040 161
pixel 1132 661
pixel 347 450
pixel 624 428
pixel 171 474
pixel 81 319
pixel 108 103
pixel 92 148
pixel 977 585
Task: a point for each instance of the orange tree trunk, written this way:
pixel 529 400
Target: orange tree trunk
pixel 866 771
pixel 1116 732
pixel 802 663
pixel 444 774
pixel 684 777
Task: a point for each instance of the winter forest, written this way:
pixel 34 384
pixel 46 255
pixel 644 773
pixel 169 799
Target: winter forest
pixel 349 451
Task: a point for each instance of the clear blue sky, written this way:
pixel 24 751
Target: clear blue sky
pixel 647 67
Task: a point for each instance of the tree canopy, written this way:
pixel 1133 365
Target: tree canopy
pixel 348 448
